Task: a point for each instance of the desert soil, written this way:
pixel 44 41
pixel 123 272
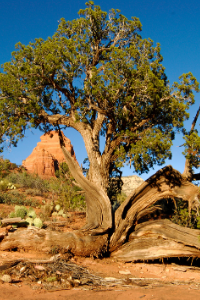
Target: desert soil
pixel 141 280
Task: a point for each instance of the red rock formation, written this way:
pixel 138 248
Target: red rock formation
pixel 47 155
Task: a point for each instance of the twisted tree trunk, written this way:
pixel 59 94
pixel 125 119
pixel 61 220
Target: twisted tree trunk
pixel 159 239
pixel 166 183
pixel 120 234
pixel 126 240
pixel 98 211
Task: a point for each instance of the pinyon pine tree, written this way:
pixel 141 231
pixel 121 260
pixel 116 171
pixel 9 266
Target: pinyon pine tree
pixel 97 75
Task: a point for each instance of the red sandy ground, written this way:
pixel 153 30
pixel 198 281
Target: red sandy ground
pixel 109 268
pixel 188 289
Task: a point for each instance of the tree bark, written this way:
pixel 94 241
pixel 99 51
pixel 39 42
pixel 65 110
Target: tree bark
pixel 159 239
pixel 129 241
pixel 188 172
pixel 42 240
pixel 98 211
pixel 166 183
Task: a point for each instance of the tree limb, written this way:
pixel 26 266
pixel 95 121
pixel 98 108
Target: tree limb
pixel 187 173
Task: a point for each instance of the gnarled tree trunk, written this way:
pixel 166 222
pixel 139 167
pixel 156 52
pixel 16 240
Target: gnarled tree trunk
pixel 47 241
pixel 99 212
pixel 126 241
pixel 166 183
pixel 159 239
pixel 120 234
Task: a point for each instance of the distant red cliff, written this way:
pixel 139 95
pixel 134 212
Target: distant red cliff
pixel 47 155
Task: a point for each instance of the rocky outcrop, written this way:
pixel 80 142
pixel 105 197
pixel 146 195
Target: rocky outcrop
pixel 47 155
pixel 130 183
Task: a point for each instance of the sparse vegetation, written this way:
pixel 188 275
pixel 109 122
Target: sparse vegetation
pixel 28 215
pixel 63 196
pixel 9 198
pixel 21 212
pixel 38 222
pixel 34 192
pixel 67 195
pixel 60 191
pixel 183 217
pixel 29 181
pixel 6 166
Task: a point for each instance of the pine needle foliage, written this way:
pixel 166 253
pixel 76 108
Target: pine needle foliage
pixel 97 75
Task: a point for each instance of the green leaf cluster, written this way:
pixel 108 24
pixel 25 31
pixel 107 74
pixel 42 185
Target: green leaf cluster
pixel 192 148
pixel 97 67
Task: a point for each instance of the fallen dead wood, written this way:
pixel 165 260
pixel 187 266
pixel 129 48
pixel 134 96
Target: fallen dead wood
pixel 12 220
pixel 168 230
pixel 164 184
pixel 158 239
pixel 4 231
pixel 128 242
pixel 60 275
pixel 53 241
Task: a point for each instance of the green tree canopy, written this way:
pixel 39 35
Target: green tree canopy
pixel 99 76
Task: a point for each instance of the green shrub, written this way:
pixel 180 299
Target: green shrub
pixel 38 222
pixel 29 181
pixel 3 185
pixel 62 190
pixel 33 192
pixel 5 167
pixel 21 212
pixel 181 215
pixel 9 198
pixel 47 210
pixel 63 169
pixel 65 193
pixel 75 203
pixel 30 221
pixel 14 193
pixel 12 214
pixel 31 214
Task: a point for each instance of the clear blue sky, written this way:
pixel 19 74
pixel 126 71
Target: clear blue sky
pixel 175 24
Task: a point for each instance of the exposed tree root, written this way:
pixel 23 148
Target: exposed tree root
pixel 158 239
pixel 148 240
pixel 166 183
pixel 49 241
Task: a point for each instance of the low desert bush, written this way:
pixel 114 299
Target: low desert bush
pixel 5 167
pixel 29 181
pixel 19 199
pixel 21 212
pixel 183 217
pixel 67 195
pixel 47 210
pixel 34 192
pixel 61 190
pixel 28 215
pixel 3 185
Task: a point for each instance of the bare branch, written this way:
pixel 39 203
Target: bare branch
pixel 187 173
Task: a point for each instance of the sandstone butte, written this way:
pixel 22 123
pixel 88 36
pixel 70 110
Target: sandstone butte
pixel 47 155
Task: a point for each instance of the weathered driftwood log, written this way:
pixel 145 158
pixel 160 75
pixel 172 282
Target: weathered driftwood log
pixel 166 183
pixel 11 220
pixel 50 241
pixel 158 239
